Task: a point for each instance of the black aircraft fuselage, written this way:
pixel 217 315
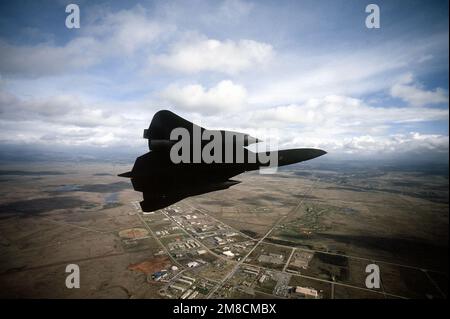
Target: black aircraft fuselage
pixel 165 181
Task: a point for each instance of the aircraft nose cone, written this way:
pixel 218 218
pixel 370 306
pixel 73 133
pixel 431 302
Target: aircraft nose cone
pixel 310 153
pixel 318 153
pixel 286 157
pixel 126 174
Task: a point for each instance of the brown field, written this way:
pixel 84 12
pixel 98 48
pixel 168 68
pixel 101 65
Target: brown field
pixel 151 265
pixel 56 216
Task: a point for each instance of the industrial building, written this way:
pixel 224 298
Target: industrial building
pixel 307 291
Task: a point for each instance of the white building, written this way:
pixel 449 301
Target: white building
pixel 192 264
pixel 228 253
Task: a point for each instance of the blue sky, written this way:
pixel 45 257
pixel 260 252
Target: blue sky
pixel 303 73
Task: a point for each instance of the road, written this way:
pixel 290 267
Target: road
pixel 239 263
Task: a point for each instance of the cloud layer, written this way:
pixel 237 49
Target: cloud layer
pixel 238 65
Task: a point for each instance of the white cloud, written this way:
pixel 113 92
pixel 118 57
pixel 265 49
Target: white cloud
pixel 342 114
pixel 116 34
pixel 230 57
pixel 338 124
pixel 412 142
pixel 303 73
pixel 126 31
pixel 39 133
pixel 64 120
pixel 311 95
pixel 62 109
pixel 415 94
pixel 361 145
pixel 225 96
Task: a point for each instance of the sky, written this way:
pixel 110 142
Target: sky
pixel 297 73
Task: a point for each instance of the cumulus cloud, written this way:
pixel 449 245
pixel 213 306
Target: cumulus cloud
pixel 360 144
pixel 65 120
pixel 338 124
pixel 230 57
pixel 415 94
pixel 341 125
pixel 225 96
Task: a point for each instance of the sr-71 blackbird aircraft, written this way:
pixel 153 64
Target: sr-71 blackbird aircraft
pixel 197 161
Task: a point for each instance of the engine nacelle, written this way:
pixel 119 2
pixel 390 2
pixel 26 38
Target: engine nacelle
pixel 158 144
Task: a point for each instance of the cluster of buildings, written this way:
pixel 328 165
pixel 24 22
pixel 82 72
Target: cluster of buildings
pixel 187 287
pixel 234 251
pixel 183 284
pixel 183 245
pixel 250 270
pixel 226 242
